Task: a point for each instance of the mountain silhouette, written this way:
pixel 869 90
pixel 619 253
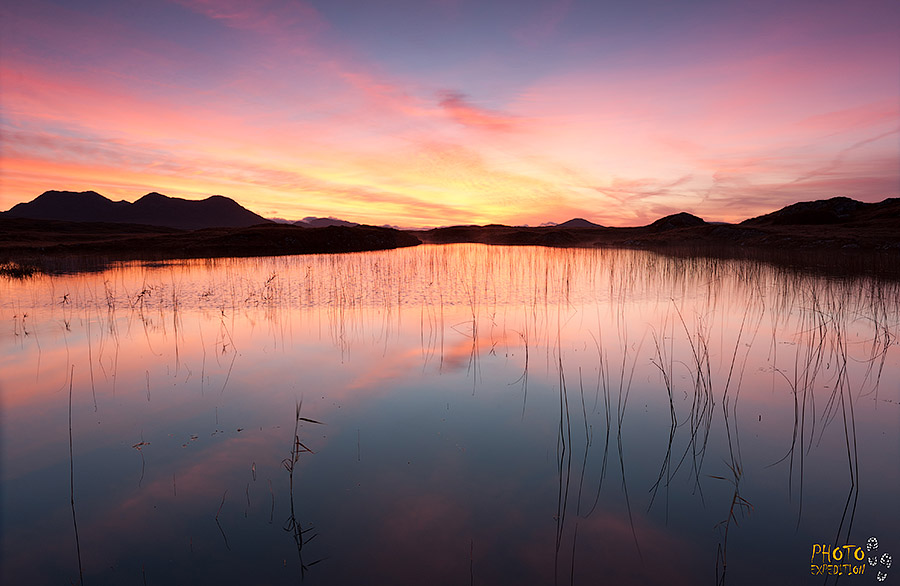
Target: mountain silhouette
pixel 578 223
pixel 314 222
pixel 836 223
pixel 679 220
pixel 837 210
pixel 153 209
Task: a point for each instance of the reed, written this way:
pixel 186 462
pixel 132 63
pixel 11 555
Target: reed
pixel 219 525
pixel 292 525
pixel 564 461
pixel 72 481
pixel 663 362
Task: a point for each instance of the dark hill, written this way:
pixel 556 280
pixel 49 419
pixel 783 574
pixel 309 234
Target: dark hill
pixel 888 209
pixel 153 209
pixel 85 206
pixel 680 220
pixel 578 223
pixel 834 224
pixel 837 210
pixel 213 212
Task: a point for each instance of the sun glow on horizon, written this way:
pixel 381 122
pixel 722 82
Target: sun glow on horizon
pixel 296 109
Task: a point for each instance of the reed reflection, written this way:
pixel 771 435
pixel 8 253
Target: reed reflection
pixel 532 405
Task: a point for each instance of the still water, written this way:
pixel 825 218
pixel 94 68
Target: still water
pixel 448 415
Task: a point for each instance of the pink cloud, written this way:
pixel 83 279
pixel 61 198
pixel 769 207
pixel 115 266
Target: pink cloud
pixel 877 113
pixel 295 119
pixel 460 109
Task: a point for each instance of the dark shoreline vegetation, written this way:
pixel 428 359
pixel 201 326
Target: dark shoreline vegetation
pixel 835 237
pixel 850 250
pixel 839 223
pixel 30 246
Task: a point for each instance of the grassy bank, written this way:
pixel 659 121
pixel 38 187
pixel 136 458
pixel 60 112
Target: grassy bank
pixel 51 246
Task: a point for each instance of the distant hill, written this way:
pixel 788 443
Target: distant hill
pixel 837 210
pixel 152 209
pixel 314 222
pixel 834 224
pixel 680 220
pixel 578 223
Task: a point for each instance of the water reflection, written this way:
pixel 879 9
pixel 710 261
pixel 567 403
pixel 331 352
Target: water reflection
pixel 469 413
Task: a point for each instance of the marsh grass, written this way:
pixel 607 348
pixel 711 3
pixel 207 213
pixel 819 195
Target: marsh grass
pixel 14 270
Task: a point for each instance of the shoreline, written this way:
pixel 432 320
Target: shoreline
pixel 34 242
pixel 28 247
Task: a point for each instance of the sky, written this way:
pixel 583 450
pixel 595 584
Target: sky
pixel 419 113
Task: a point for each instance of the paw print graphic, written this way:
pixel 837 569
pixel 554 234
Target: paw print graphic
pixel 882 562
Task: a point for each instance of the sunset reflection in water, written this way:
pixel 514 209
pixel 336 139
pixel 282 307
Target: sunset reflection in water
pixel 496 414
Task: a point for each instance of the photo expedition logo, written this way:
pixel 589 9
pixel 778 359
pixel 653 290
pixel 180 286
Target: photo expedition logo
pixel 850 560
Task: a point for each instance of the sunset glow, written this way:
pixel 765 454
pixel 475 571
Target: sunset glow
pixel 447 111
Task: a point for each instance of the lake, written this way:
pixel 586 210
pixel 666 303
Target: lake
pixel 457 414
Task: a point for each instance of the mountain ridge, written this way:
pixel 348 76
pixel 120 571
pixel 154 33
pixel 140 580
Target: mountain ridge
pixel 154 209
pixel 218 211
pixel 315 222
pixel 835 210
pixel 578 223
pixel 836 223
